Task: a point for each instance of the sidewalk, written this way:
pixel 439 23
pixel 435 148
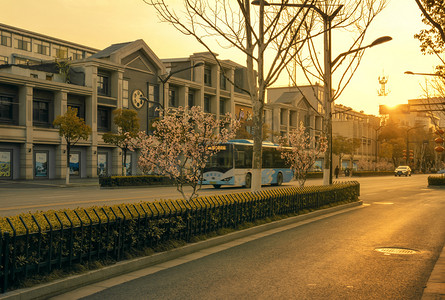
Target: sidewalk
pixel 435 287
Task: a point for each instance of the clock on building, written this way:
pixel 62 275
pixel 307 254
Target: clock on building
pixel 136 98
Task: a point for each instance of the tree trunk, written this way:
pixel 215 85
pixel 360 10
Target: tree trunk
pixel 124 165
pixel 257 96
pixel 68 154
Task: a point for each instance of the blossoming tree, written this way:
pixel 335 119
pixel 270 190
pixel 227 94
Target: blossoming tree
pixel 300 151
pixel 182 143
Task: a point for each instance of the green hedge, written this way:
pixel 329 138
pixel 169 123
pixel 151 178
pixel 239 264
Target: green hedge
pixel 117 181
pixel 371 173
pixel 314 175
pixel 436 180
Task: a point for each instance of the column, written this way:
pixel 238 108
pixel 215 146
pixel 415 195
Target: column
pixel 25 119
pixel 60 108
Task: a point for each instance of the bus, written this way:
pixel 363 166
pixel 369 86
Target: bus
pixel 232 165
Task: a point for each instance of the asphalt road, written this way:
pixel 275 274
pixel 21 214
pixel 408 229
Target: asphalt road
pixel 331 258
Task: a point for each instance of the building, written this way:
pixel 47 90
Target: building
pixel 359 126
pixel 291 106
pixel 35 87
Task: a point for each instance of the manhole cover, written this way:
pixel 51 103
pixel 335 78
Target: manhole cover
pixel 396 251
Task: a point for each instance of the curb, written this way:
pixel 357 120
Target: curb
pixel 435 287
pixel 65 285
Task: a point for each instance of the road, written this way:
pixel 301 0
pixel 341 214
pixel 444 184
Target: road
pixel 329 258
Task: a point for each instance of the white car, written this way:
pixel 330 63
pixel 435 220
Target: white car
pixel 402 170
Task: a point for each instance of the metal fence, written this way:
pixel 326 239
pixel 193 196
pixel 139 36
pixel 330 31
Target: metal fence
pixel 62 240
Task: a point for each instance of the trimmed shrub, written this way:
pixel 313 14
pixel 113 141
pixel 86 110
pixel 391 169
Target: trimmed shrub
pixel 371 173
pixel 436 180
pixel 314 175
pixel 117 181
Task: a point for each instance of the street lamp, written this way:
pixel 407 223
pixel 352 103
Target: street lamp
pixel 328 65
pixel 407 141
pixel 425 74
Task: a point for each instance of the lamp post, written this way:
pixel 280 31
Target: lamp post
pixel 328 65
pixel 407 141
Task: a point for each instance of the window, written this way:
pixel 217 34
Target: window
pixel 207 76
pixel 103 119
pixel 293 118
pixel 102 164
pixel 5 38
pixel 283 118
pixel 191 100
pixel 75 164
pixel 49 77
pixel 78 108
pixel 76 54
pixel 125 93
pixel 41 164
pixel 223 82
pixel 3 60
pixel 172 97
pixel 6 109
pixel 103 87
pixel 307 121
pixel 207 104
pixel 41 47
pixel 21 61
pixel 222 106
pixel 60 51
pixel 40 113
pixel 127 164
pixel 5 163
pixel 34 75
pixel 23 43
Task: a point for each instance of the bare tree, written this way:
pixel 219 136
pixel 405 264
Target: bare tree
pixel 239 25
pixel 351 23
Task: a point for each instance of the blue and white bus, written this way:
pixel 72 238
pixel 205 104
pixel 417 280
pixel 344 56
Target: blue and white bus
pixel 232 165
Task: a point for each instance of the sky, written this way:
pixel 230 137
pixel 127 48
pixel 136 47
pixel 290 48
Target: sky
pixel 100 23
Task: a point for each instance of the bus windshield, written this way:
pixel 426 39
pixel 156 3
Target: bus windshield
pixel 223 159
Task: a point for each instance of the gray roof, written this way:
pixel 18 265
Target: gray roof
pixel 109 50
pixel 288 97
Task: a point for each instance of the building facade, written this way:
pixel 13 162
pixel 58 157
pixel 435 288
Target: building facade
pixel 291 106
pixel 360 127
pixel 35 88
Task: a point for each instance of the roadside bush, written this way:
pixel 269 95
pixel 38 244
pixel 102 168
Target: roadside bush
pixel 118 181
pixel 371 173
pixel 314 175
pixel 436 180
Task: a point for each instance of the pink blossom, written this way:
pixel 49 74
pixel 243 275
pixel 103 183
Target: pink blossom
pixel 300 151
pixel 182 143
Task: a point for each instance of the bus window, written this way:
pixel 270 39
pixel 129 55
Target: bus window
pixel 278 161
pixel 268 157
pixel 239 159
pixel 243 158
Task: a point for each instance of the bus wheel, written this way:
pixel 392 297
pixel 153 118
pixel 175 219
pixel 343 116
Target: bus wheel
pixel 280 179
pixel 216 186
pixel 248 181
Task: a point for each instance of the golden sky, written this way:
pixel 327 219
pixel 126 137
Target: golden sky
pixel 100 23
